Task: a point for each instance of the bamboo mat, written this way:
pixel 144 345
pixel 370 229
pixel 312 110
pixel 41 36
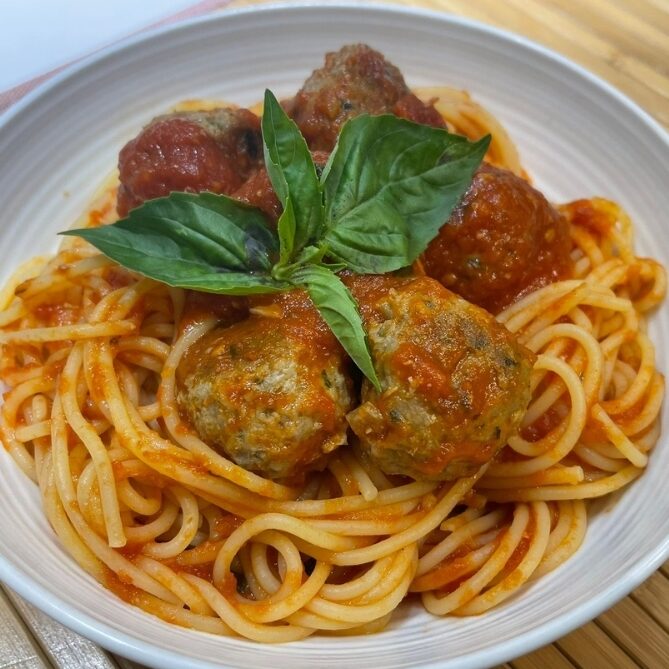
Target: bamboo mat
pixel 627 43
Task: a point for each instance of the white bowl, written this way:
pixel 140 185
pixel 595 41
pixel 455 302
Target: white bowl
pixel 578 137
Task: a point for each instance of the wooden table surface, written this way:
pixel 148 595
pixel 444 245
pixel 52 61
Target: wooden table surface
pixel 627 43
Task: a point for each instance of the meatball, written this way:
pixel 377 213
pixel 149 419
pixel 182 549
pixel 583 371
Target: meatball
pixel 259 192
pixel 354 80
pixel 502 241
pixel 454 382
pixel 270 392
pixel 189 151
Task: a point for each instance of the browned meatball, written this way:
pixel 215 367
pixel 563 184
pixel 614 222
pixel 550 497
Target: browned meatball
pixel 502 241
pixel 258 191
pixel 454 382
pixel 271 392
pixel 354 80
pixel 189 151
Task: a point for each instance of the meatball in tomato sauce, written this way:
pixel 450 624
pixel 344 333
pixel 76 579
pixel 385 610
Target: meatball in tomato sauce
pixel 258 191
pixel 354 80
pixel 212 151
pixel 502 241
pixel 270 392
pixel 454 382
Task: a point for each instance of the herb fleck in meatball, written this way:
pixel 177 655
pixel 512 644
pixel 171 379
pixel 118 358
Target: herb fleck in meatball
pixel 502 241
pixel 271 392
pixel 454 382
pixel 189 151
pixel 354 80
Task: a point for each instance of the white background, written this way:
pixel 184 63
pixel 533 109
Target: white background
pixel 37 36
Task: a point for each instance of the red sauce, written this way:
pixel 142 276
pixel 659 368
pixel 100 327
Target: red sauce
pixel 168 462
pixel 503 241
pixel 257 191
pixel 98 216
pixel 584 214
pixel 199 307
pixel 204 570
pixel 455 570
pixel 131 550
pixel 541 427
pixel 59 313
pixel 121 585
pixel 228 587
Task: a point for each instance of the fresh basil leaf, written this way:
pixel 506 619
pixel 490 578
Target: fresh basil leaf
pixel 206 242
pixel 390 177
pixel 340 311
pixel 370 249
pixel 293 175
pixel 334 266
pixel 222 283
pixel 310 255
pixel 204 227
pixel 286 226
pixel 160 258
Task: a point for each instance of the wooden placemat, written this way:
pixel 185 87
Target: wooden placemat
pixel 627 43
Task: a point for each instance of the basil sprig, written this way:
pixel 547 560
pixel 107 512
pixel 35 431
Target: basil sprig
pixel 387 188
pixel 293 175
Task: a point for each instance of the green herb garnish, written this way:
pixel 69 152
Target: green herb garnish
pixel 386 189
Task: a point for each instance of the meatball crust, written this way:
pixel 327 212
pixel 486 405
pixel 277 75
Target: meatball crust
pixel 503 241
pixel 270 392
pixel 354 80
pixel 189 151
pixel 258 191
pixel 454 382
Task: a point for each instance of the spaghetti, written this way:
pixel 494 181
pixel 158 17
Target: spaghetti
pixel 89 353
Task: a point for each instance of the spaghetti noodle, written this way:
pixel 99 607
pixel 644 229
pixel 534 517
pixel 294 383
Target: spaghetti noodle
pixel 89 353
